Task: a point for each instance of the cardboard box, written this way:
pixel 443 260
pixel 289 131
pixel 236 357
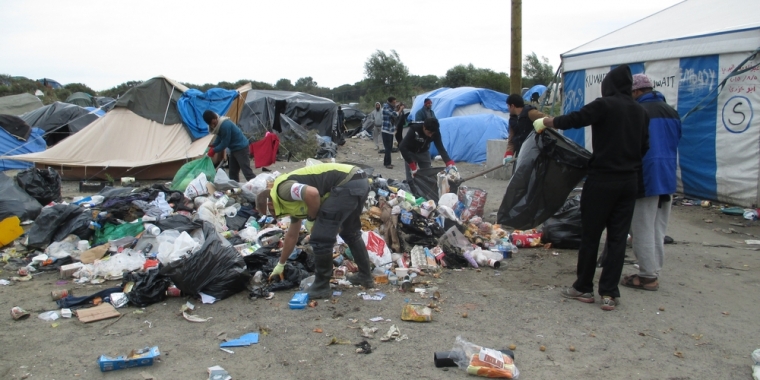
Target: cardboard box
pixel 97 313
pixel 68 270
pixel 137 358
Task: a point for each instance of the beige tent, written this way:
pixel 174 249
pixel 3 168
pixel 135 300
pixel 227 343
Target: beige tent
pixel 142 137
pixel 19 104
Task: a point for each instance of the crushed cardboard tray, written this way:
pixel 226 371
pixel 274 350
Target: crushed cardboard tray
pixel 97 313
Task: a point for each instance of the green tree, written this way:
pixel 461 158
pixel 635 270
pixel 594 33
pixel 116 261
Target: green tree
pixel 119 90
pixel 461 75
pixel 79 87
pixel 538 71
pixel 284 85
pixel 306 84
pixel 424 83
pixel 386 76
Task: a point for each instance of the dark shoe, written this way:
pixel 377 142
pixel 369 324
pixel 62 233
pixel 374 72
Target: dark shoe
pixel 381 151
pixel 322 274
pixel 389 166
pixel 609 303
pixel 574 294
pixel 359 251
pixel 636 282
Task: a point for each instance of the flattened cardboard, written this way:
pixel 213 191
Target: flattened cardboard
pixel 89 256
pixel 97 313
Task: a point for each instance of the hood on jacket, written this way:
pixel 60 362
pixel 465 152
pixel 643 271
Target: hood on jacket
pixel 653 96
pixel 618 81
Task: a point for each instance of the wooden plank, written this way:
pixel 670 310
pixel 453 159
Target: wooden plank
pixel 97 313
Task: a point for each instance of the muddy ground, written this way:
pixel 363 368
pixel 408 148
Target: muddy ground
pixel 701 324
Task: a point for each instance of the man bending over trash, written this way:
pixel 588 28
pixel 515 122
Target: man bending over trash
pixel 228 135
pixel 330 197
pixel 415 148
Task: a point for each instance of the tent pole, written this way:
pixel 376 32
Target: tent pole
pixel 168 103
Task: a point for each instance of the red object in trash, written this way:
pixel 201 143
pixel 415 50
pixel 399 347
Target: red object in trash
pixel 150 263
pixel 526 240
pixel 173 291
pixel 211 152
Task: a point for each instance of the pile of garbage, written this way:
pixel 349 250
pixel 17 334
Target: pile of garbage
pixel 201 236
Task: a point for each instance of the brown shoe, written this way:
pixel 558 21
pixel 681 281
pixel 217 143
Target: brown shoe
pixel 637 282
pixel 571 293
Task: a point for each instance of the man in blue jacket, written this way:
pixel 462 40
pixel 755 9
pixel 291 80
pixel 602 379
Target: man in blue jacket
pixel 228 135
pixel 657 182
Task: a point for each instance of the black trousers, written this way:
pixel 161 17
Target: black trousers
pixel 240 160
pixel 607 201
pixel 388 146
pixel 339 215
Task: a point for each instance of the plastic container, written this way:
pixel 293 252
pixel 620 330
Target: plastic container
pixel 152 229
pixel 299 301
pixel 306 282
pixel 10 230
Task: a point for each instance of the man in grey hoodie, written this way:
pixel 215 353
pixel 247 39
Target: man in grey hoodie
pixel 373 123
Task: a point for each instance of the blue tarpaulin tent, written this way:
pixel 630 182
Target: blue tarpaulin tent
pixel 448 102
pixel 11 146
pixel 539 88
pixel 465 137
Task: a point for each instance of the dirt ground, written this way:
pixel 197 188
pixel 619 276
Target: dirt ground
pixel 697 326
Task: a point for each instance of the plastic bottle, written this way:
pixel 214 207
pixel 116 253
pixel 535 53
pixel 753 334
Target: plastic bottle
pixel 222 201
pixel 306 282
pixel 152 229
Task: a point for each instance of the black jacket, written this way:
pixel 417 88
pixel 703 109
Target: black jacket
pixel 416 141
pixel 619 126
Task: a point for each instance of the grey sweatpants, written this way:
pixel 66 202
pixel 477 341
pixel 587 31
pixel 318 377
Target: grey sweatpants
pixel 650 220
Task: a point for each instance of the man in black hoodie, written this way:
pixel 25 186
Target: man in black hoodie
pixel 619 138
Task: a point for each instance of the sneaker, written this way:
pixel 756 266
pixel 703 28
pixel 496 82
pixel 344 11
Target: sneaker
pixel 570 292
pixel 608 303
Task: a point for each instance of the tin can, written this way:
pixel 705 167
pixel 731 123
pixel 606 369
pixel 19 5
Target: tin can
pixel 58 294
pixel 18 313
pixel 23 272
pixel 173 291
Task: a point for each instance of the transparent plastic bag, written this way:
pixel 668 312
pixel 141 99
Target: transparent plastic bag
pixel 126 261
pixel 258 184
pixel 484 362
pixel 211 214
pixel 182 246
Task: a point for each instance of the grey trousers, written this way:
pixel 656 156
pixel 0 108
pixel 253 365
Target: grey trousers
pixel 375 131
pixel 650 220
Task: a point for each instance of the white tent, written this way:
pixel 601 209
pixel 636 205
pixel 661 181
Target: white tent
pixel 703 57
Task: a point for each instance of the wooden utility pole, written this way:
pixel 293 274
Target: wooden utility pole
pixel 515 67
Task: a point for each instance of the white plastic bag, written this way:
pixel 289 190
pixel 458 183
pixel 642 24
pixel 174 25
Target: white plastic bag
pixel 378 251
pixel 162 205
pixel 63 248
pixel 258 184
pixel 197 186
pixel 213 215
pixel 181 247
pixel 222 181
pixel 126 261
pixel 49 315
pixel 248 234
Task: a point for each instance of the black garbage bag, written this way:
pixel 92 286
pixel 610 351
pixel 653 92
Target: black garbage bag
pixel 42 185
pixel 401 185
pixel 548 168
pixel 178 222
pixel 56 222
pixel 564 228
pixel 149 287
pixel 214 270
pixel 425 183
pixel 266 258
pixel 15 201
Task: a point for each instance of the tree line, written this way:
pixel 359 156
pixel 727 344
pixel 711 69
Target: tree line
pixel 385 75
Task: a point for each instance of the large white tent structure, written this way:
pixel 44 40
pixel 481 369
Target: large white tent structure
pixel 702 55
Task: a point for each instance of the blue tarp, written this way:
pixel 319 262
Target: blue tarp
pixel 193 103
pixel 465 137
pixel 539 88
pixel 445 100
pixel 96 111
pixel 11 146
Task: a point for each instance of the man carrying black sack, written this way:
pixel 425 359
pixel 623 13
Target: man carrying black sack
pixel 620 139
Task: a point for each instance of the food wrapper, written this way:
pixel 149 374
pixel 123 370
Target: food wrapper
pixel 484 362
pixel 417 313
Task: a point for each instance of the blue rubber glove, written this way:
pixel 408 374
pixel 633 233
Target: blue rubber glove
pixel 278 269
pixel 538 125
pixel 508 157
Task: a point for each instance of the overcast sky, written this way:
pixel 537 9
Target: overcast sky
pixel 105 43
